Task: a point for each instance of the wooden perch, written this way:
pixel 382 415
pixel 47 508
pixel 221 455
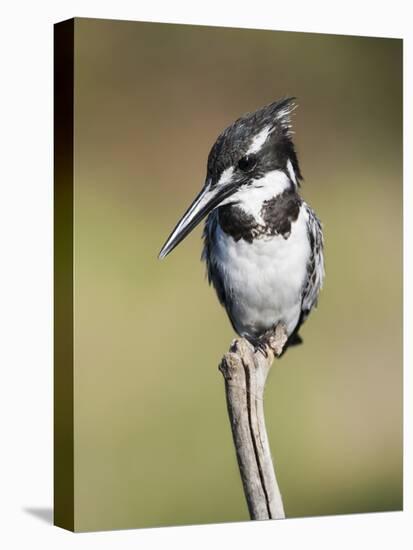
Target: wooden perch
pixel 245 373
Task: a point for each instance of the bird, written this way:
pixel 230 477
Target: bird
pixel 263 245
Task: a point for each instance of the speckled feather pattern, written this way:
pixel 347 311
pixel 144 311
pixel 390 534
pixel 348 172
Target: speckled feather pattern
pixel 272 278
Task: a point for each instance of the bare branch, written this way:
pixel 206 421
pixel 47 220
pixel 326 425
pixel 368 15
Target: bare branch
pixel 245 373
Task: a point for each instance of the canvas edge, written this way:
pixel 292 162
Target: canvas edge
pixel 63 65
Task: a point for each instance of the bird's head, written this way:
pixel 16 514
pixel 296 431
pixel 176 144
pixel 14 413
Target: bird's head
pixel 250 154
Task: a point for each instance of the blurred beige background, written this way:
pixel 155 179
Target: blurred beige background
pixel 152 439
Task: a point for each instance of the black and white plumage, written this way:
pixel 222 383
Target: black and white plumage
pixel 263 245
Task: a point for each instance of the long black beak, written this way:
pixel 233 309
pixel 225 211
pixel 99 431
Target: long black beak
pixel 208 199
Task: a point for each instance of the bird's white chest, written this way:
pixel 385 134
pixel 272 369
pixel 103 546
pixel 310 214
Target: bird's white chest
pixel 264 279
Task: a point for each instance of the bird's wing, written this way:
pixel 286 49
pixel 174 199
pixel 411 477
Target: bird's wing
pixel 213 272
pixel 315 265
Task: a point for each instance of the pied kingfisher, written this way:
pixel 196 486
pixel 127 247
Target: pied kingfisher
pixel 263 245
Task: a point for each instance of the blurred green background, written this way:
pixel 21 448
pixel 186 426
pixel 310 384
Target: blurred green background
pixel 152 439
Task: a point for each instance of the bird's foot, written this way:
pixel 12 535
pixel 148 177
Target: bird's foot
pixel 262 348
pixel 276 338
pixel 259 345
pixel 273 340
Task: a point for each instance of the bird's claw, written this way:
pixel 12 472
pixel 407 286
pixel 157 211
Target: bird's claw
pixel 260 347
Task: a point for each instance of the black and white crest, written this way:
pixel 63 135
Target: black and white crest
pixel 268 131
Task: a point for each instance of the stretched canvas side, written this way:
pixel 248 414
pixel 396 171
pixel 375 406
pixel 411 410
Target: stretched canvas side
pixel 63 275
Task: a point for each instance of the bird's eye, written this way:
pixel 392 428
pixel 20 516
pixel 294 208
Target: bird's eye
pixel 247 163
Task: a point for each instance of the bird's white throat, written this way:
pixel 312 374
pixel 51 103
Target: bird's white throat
pixel 251 197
